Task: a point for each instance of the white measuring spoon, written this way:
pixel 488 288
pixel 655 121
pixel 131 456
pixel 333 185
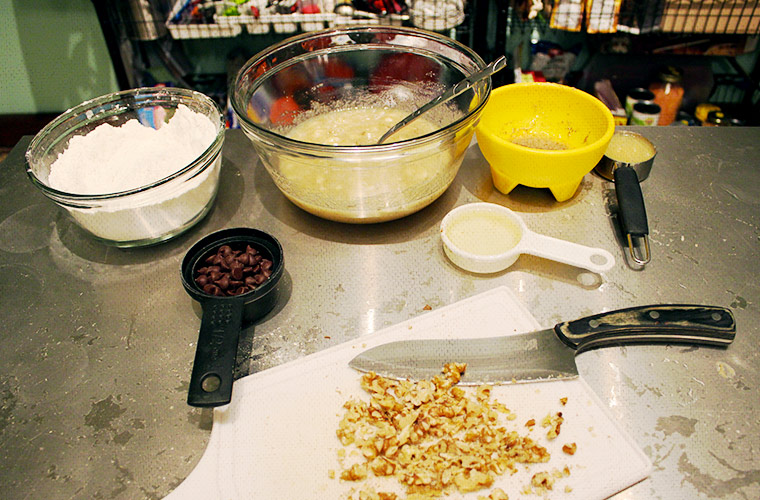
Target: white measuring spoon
pixel 487 238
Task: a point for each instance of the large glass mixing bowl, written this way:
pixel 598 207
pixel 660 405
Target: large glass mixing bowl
pixel 352 83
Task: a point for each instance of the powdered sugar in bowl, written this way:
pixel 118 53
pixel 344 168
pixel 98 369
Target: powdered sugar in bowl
pixel 132 168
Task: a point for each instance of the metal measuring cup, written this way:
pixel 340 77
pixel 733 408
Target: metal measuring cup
pixel 627 176
pixel 224 316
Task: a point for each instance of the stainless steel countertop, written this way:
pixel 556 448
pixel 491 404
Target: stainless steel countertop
pixel 97 343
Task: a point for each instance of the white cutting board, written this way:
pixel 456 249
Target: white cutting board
pixel 276 440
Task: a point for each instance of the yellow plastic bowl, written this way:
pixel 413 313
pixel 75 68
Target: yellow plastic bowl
pixel 543 135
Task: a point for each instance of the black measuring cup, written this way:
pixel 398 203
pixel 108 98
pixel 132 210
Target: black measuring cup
pixel 223 317
pixel 627 175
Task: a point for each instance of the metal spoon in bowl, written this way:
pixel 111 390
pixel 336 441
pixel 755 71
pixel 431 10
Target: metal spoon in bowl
pixel 461 87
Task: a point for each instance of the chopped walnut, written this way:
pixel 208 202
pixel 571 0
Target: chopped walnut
pixel 553 422
pixel 483 393
pixel 496 494
pixel 371 494
pixel 570 448
pixel 542 480
pixel 433 437
pixel 530 423
pixel 357 472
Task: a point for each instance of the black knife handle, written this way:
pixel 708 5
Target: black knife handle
pixel 670 323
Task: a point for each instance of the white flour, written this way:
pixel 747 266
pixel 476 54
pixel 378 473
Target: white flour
pixel 112 159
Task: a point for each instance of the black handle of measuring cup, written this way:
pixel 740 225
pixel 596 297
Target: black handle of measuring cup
pixel 216 352
pixel 631 210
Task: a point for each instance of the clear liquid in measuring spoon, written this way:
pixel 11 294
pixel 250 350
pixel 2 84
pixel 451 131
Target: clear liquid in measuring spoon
pixel 484 233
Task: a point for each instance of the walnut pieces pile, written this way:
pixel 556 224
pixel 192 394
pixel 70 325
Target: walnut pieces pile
pixel 434 438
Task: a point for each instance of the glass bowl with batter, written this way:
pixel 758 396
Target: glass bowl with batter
pixel 315 105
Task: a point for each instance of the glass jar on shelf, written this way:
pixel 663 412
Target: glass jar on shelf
pixel 668 93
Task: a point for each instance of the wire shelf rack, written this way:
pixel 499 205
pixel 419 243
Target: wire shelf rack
pixel 724 17
pixel 655 27
pixel 224 18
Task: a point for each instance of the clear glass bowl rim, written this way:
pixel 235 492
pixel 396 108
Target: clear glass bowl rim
pixel 276 139
pixel 204 160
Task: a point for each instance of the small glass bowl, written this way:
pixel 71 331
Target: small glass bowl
pixel 376 67
pixel 148 214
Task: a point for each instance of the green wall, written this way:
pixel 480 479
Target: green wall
pixel 52 56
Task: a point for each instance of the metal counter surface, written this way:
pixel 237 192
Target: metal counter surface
pixel 97 343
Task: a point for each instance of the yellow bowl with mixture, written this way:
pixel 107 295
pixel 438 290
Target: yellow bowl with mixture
pixel 543 135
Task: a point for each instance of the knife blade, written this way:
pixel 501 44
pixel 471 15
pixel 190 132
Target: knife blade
pixel 549 354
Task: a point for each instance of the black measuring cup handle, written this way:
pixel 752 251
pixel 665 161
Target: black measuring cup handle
pixel 224 316
pixel 631 210
pixel 216 353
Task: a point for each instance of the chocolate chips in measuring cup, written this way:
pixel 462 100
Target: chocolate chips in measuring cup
pixel 229 272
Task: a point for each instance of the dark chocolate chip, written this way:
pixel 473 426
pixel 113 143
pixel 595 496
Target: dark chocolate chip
pixel 230 271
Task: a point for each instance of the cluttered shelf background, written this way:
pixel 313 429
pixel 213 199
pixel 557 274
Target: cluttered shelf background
pixel 620 44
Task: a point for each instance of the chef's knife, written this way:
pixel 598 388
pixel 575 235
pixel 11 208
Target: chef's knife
pixel 549 354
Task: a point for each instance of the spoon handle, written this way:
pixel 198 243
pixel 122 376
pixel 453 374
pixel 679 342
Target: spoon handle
pixel 459 88
pixel 597 260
